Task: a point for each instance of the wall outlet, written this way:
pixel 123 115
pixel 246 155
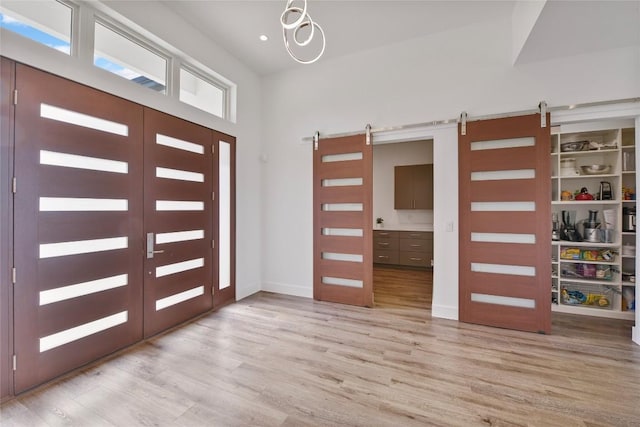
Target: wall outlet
pixel 449 226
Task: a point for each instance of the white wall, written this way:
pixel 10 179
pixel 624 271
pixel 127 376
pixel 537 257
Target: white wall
pixel 420 80
pixel 385 158
pixel 155 18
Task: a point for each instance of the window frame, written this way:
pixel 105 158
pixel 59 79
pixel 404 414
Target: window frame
pixel 208 78
pixel 132 36
pixel 74 34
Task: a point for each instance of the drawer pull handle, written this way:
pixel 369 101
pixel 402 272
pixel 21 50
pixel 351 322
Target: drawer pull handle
pixel 416 246
pixel 415 259
pixel 383 256
pixel 414 235
pixel 383 243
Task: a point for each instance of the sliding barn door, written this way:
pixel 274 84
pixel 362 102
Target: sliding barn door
pixel 78 246
pixel 178 201
pixel 505 223
pixel 343 221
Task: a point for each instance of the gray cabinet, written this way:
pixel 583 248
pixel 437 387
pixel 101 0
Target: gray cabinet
pixel 413 187
pixel 385 247
pixel 407 248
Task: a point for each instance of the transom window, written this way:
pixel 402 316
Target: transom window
pixel 119 49
pixel 47 22
pixel 122 55
pixel 201 93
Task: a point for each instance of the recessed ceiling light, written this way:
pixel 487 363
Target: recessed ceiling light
pixel 264 37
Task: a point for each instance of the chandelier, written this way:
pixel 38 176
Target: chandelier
pixel 291 30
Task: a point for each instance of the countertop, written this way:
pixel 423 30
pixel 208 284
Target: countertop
pixel 405 227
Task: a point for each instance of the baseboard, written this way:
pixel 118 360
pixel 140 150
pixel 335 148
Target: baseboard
pixel 287 289
pixel 247 290
pixel 444 312
pixel 635 334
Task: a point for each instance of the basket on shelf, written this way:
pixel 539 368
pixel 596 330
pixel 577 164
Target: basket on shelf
pixel 588 254
pixel 597 296
pixel 588 271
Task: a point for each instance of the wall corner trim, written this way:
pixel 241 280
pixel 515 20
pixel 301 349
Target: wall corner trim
pixel 444 312
pixel 245 291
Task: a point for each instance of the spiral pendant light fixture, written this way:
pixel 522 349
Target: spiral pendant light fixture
pixel 291 31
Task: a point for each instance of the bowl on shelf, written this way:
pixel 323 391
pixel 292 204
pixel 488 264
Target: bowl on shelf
pixel 572 146
pixel 595 169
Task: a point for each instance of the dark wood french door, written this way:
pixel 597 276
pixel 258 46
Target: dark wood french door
pixel 505 223
pixel 343 220
pixel 116 223
pixel 78 205
pixel 178 199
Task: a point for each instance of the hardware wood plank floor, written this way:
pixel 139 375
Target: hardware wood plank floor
pixel 273 360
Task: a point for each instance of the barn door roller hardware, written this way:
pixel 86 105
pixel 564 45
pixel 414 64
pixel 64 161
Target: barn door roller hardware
pixel 316 138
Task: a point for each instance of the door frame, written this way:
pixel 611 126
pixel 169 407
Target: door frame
pixel 7 226
pixel 7 70
pixel 226 295
pixel 445 213
pixel 630 110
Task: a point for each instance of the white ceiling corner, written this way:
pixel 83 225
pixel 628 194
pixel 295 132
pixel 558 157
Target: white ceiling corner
pixel 561 28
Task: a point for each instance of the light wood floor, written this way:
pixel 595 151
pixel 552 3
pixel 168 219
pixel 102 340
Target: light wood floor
pixel 275 360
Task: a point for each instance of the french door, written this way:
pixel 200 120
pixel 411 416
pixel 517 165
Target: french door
pixel 343 220
pixel 505 223
pixel 178 198
pixel 116 224
pixel 78 228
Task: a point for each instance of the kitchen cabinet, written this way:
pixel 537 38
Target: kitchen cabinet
pixel 406 248
pixel 415 248
pixel 413 187
pixel 593 275
pixel 385 247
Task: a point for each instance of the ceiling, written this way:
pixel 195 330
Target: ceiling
pixel 563 28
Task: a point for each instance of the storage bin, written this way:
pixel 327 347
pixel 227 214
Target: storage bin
pixel 596 296
pixel 587 254
pixel 587 271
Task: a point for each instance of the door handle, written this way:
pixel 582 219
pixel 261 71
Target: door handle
pixel 150 250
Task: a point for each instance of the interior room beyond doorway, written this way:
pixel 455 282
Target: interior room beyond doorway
pixel 403 224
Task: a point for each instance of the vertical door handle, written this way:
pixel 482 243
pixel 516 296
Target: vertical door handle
pixel 150 242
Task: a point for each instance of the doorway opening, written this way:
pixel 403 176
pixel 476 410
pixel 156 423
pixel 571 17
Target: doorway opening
pixel 403 224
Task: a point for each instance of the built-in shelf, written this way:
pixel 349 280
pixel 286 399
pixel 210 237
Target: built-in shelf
pixel 585 244
pixel 585 202
pixel 589 311
pixel 579 261
pixel 590 281
pixel 588 152
pixel 617 178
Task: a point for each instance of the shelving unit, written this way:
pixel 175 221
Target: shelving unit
pixel 585 282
